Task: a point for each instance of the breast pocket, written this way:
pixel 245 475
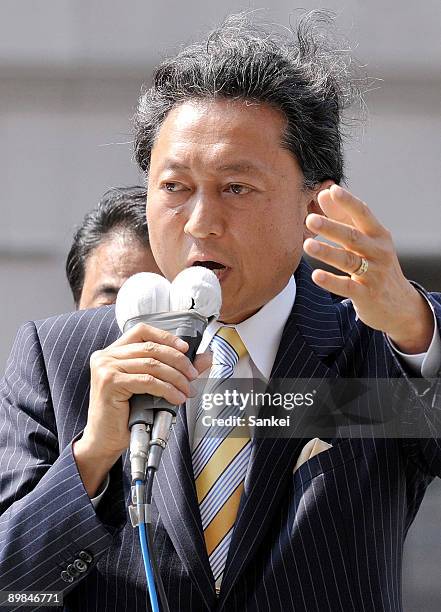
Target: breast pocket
pixel 342 451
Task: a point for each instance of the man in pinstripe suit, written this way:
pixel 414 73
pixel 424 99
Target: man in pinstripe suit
pixel 226 193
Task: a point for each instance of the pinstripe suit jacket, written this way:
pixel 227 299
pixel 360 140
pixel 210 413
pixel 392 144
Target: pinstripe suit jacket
pixel 328 538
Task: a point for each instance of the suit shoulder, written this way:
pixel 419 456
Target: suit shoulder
pixel 79 331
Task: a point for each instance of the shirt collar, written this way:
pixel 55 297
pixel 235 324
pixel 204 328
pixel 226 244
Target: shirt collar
pixel 261 333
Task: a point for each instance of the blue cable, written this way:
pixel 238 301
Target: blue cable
pixel 145 554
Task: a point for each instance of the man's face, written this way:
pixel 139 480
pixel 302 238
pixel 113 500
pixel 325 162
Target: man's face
pixel 223 191
pixel 119 256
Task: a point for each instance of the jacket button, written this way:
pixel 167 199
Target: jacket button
pixel 72 570
pixel 66 577
pixel 84 555
pixel 80 565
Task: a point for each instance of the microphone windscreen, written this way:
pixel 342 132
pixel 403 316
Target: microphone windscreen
pixel 142 294
pixel 196 288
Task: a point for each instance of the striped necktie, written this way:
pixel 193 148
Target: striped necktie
pixel 220 461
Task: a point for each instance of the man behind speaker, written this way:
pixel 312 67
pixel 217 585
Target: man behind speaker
pixel 111 244
pixel 241 142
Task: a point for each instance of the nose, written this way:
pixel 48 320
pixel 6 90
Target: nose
pixel 205 219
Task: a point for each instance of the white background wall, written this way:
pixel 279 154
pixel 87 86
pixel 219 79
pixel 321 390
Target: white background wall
pixel 70 74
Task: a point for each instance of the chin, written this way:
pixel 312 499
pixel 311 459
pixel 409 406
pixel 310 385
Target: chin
pixel 229 315
pixel 235 315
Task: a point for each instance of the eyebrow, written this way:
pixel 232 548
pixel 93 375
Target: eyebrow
pixel 174 165
pixel 106 290
pixel 239 166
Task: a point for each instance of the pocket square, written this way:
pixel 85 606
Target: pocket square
pixel 311 448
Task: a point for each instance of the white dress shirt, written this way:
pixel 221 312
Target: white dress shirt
pixel 269 322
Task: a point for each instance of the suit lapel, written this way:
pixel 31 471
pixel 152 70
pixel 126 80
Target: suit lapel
pixel 175 497
pixel 311 334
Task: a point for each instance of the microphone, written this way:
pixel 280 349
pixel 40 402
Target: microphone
pixel 183 307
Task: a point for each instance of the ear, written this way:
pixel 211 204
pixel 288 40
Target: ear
pixel 314 207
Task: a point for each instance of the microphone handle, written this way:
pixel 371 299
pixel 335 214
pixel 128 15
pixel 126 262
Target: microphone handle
pixel 188 325
pixel 155 414
pixel 142 407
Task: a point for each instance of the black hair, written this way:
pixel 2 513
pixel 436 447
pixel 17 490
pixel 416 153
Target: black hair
pixel 302 73
pixel 120 208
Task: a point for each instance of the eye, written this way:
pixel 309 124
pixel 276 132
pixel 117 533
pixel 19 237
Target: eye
pixel 173 187
pixel 238 189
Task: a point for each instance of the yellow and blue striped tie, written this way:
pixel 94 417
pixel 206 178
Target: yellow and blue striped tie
pixel 220 461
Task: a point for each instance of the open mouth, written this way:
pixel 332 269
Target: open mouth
pixel 219 269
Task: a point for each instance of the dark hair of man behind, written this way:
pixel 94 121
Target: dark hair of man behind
pixel 302 73
pixel 121 208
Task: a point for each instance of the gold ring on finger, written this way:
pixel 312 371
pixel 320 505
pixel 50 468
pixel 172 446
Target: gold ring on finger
pixel 362 268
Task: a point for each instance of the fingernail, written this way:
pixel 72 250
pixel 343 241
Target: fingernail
pixel 339 192
pixel 313 246
pixel 181 398
pixel 193 372
pixel 320 276
pixel 181 345
pixel 316 221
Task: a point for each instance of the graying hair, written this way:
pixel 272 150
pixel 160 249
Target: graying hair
pixel 300 72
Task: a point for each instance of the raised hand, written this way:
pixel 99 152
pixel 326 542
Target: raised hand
pixel 382 297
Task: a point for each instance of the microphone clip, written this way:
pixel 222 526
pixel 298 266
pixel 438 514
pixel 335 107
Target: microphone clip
pixel 139 512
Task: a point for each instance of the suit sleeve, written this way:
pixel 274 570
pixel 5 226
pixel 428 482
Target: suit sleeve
pixel 50 534
pixel 422 416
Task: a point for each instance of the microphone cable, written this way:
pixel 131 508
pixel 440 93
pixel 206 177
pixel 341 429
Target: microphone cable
pixel 143 492
pixel 145 547
pixel 154 562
